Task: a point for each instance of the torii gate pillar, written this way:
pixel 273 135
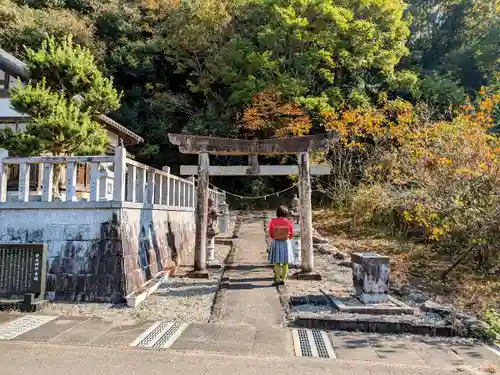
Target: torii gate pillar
pixel 201 213
pixel 306 227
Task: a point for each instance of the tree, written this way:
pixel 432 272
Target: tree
pixel 269 117
pixel 70 90
pixel 456 43
pixel 22 25
pixel 319 54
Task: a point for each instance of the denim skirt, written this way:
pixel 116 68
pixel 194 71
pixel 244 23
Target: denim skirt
pixel 281 252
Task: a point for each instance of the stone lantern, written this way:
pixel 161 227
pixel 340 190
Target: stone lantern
pixel 212 230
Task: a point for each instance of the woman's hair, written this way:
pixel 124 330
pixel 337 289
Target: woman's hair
pixel 282 211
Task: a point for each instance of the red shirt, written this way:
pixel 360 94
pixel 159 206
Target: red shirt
pixel 281 222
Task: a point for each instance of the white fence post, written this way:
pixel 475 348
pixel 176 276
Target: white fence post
pixel 150 195
pixel 159 189
pixel 167 189
pixel 48 177
pixel 174 192
pixel 71 182
pixel 120 170
pixel 24 182
pixel 132 184
pixel 3 175
pixel 94 182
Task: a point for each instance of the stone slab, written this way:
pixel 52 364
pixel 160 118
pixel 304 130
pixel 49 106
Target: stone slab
pixel 197 336
pixel 199 274
pixel 219 338
pixel 234 340
pixel 435 353
pixel 122 335
pixel 477 356
pixel 397 308
pixel 273 342
pixel 353 347
pixel 214 266
pixel 394 350
pixel 135 298
pixel 83 333
pixel 52 329
pixel 368 323
pixel 308 276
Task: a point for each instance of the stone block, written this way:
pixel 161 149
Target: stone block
pixel 370 274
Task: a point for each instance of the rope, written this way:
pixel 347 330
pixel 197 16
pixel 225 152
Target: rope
pixel 258 197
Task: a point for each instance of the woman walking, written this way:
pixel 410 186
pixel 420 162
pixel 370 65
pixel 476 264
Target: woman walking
pixel 281 254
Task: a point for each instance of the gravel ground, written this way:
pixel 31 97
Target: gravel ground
pixel 179 298
pixel 337 282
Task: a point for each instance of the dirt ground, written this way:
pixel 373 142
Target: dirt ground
pixel 414 265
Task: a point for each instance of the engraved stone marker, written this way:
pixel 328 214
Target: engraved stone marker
pixel 370 274
pixel 22 269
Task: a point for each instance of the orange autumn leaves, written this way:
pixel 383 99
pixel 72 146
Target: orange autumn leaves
pixel 462 146
pixel 271 116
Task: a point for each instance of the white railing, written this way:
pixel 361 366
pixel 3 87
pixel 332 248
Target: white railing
pixel 112 178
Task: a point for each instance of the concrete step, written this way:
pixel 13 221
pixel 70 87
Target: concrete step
pixel 246 340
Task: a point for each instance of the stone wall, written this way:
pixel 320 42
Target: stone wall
pixel 100 251
pixel 151 238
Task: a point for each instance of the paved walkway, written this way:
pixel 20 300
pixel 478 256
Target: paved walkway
pixel 250 326
pixel 28 359
pixel 251 298
pixel 242 340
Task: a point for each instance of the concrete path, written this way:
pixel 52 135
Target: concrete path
pixel 251 298
pixel 24 358
pixel 243 340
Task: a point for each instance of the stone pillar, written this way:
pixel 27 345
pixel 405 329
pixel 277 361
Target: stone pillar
pixel 306 228
pixel 224 218
pixel 211 250
pixel 265 220
pixel 295 209
pixel 296 245
pixel 106 181
pixel 237 226
pixel 120 170
pixel 201 213
pixel 3 175
pixel 370 276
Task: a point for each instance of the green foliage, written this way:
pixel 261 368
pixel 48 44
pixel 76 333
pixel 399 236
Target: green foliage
pixel 440 92
pixel 71 69
pixel 61 105
pixel 455 38
pixel 21 25
pixel 492 317
pixel 324 54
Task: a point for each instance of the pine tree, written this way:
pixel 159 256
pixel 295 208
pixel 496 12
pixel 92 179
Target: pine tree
pixel 66 93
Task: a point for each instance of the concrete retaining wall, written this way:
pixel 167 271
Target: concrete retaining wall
pixel 100 251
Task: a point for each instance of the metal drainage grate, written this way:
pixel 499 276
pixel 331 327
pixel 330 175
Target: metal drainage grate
pixel 312 343
pixel 323 344
pixel 10 330
pixel 160 335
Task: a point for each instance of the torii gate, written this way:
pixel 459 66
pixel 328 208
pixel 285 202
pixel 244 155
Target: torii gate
pixel 204 146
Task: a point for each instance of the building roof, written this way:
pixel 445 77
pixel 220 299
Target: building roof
pixel 17 68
